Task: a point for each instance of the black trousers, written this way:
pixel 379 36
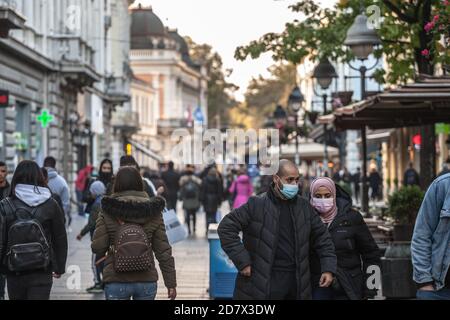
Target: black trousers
pixel 188 214
pixel 283 285
pixel 27 288
pixel 2 285
pixel 210 218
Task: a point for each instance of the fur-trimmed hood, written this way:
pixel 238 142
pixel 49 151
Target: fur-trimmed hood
pixel 132 206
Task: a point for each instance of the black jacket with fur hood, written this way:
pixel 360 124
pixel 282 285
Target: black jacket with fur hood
pixel 134 207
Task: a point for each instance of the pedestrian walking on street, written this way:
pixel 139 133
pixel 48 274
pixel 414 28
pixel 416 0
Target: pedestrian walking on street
pixel 106 174
pixel 375 183
pixel 190 195
pixel 4 192
pixel 411 176
pixel 35 244
pixel 355 247
pixel 129 230
pixel 58 185
pixel 54 195
pixel 98 190
pixel 172 180
pixel 149 187
pixel 243 188
pixel 356 178
pixel 211 196
pixel 280 229
pixel 431 242
pixel 80 186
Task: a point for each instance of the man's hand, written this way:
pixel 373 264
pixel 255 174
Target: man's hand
pixel 428 287
pixel 172 293
pixel 326 279
pixel 247 271
pixel 160 191
pixel 79 237
pixel 56 276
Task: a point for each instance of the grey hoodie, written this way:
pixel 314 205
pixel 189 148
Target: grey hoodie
pixel 59 186
pixel 33 196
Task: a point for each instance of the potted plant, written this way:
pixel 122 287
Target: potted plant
pixel 404 205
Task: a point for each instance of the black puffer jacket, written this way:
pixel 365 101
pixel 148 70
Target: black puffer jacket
pixel 354 243
pixel 258 219
pixel 211 193
pixel 51 217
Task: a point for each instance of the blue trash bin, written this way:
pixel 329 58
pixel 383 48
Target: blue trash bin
pixel 222 272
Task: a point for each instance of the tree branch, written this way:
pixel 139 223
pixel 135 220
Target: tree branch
pixel 399 13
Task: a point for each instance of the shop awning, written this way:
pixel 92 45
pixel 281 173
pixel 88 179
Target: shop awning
pixel 424 102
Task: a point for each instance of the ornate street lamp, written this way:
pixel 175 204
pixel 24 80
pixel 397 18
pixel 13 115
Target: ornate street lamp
pixel 362 40
pixel 324 73
pixel 295 103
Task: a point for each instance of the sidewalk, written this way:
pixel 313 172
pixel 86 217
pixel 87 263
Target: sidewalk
pixel 191 263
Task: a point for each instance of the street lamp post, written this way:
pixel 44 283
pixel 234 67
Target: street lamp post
pixel 324 73
pixel 295 102
pixel 361 40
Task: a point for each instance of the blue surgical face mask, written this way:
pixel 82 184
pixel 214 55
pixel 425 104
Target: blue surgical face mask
pixel 289 190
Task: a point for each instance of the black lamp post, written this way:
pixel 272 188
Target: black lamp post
pixel 362 40
pixel 295 103
pixel 324 73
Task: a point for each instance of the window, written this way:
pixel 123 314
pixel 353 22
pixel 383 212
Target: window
pixel 22 133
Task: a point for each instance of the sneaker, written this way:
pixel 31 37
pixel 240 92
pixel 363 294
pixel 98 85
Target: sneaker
pixel 97 288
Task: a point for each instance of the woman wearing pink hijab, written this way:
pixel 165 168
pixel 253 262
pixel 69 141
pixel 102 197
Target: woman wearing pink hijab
pixel 355 247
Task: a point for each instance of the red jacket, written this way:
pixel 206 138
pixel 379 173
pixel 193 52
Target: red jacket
pixel 83 175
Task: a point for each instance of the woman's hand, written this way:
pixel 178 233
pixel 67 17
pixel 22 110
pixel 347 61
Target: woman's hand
pixel 172 293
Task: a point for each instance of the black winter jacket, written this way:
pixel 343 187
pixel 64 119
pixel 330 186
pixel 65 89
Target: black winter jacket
pixel 258 219
pixel 354 243
pixel 211 194
pixel 51 217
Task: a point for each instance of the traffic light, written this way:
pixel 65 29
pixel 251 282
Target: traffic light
pixel 128 149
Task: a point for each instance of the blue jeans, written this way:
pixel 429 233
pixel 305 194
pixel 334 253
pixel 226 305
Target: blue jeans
pixel 443 294
pixel 126 291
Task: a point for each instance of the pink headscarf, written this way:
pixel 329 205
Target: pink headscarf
pixel 329 216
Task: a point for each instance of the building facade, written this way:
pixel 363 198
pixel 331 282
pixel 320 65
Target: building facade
pixel 160 57
pixel 69 58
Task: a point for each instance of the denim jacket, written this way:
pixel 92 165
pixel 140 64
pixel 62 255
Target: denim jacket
pixel 430 247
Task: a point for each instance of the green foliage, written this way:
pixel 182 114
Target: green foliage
pixel 404 204
pixel 322 33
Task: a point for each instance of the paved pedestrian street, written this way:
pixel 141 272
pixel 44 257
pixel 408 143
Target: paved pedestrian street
pixel 191 262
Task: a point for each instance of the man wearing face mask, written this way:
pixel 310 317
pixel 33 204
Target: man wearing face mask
pixel 279 228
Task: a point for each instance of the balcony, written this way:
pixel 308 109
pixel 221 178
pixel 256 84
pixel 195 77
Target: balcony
pixel 77 60
pixel 9 18
pixel 125 121
pixel 167 126
pixel 117 90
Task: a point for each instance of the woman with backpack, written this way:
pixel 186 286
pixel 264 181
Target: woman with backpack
pixel 129 230
pixel 33 240
pixel 190 195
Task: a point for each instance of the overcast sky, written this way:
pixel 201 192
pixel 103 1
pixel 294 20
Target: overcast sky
pixel 227 24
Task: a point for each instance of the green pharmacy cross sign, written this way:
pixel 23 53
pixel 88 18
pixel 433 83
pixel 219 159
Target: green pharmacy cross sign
pixel 45 118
